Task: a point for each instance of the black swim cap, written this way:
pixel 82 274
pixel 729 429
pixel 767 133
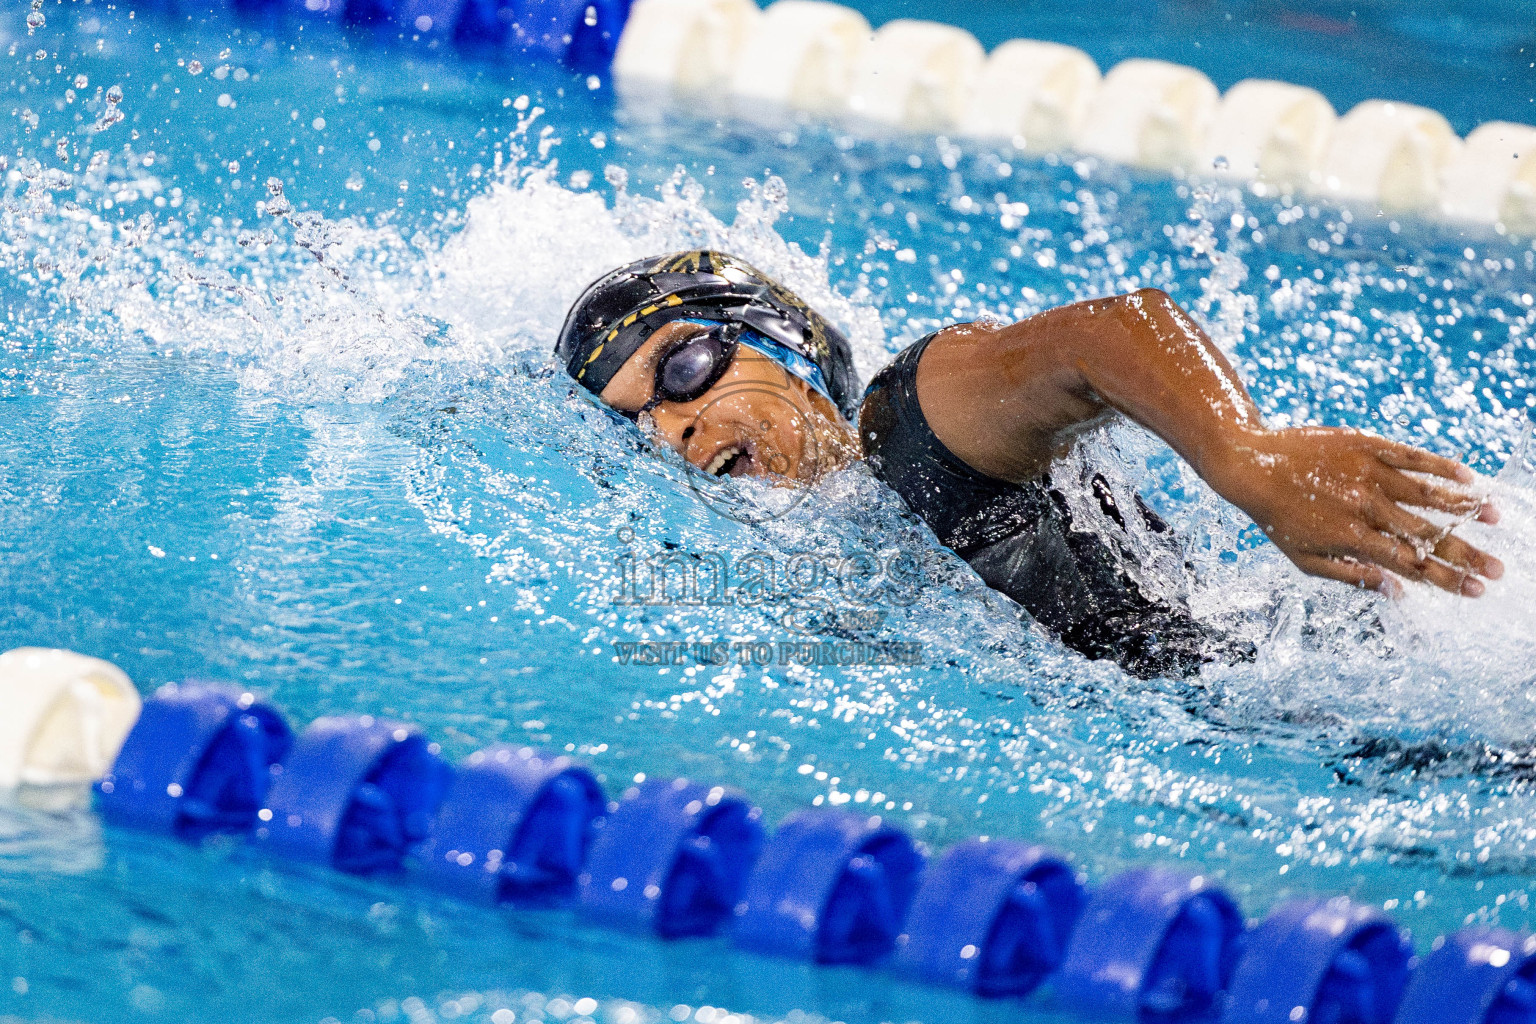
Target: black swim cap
pixel 619 311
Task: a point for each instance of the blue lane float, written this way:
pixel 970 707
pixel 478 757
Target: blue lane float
pixel 832 887
pixel 678 858
pixel 199 760
pixel 1475 976
pixel 993 917
pixel 671 857
pixel 1320 960
pixel 356 793
pixel 581 34
pixel 514 827
pixel 1154 946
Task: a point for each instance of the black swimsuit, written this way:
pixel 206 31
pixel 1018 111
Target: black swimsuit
pixel 1021 540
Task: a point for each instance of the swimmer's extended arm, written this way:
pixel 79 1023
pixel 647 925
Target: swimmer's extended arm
pixel 1009 400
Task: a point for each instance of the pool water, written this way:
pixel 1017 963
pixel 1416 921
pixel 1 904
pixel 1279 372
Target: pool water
pixel 307 438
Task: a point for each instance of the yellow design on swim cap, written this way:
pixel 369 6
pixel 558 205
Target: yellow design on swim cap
pixel 595 353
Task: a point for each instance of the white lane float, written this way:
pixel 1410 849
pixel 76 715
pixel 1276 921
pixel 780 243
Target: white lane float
pixel 918 75
pixel 803 55
pixel 684 46
pixel 1150 114
pixel 1390 154
pixel 1034 92
pixel 1492 179
pixel 820 58
pixel 1271 132
pixel 64 718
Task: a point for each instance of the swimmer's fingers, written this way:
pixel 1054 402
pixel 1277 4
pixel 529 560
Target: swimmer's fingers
pixel 1417 460
pixel 1421 493
pixel 1426 538
pixel 1346 570
pixel 1396 521
pixel 1414 562
pixel 1457 552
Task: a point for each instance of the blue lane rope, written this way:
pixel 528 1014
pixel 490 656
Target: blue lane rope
pixel 675 858
pixel 580 34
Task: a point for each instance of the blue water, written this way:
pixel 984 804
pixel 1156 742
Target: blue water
pixel 324 454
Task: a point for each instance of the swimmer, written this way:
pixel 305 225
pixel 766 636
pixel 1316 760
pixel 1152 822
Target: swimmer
pixel 973 426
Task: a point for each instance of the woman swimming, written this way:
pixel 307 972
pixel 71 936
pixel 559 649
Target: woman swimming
pixel 972 426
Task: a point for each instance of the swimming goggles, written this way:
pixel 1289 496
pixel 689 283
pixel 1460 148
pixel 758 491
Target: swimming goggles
pixel 692 366
pixel 696 364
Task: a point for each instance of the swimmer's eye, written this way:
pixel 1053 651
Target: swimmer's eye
pixel 692 366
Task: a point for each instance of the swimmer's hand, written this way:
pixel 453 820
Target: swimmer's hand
pixel 1337 502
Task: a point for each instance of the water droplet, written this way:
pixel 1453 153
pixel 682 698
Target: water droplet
pixel 224 54
pixel 234 167
pixel 1220 163
pixel 35 20
pixel 250 238
pixel 194 67
pixel 115 94
pixel 278 205
pixel 81 81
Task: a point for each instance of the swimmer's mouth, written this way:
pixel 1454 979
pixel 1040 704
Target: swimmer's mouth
pixel 730 461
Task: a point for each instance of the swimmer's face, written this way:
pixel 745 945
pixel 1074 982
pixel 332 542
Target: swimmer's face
pixel 758 419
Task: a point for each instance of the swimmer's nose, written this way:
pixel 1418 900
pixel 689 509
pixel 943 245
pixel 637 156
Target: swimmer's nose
pixel 676 428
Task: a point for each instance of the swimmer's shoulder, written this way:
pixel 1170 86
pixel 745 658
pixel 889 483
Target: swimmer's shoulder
pixel 903 451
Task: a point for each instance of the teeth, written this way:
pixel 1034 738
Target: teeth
pixel 718 462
